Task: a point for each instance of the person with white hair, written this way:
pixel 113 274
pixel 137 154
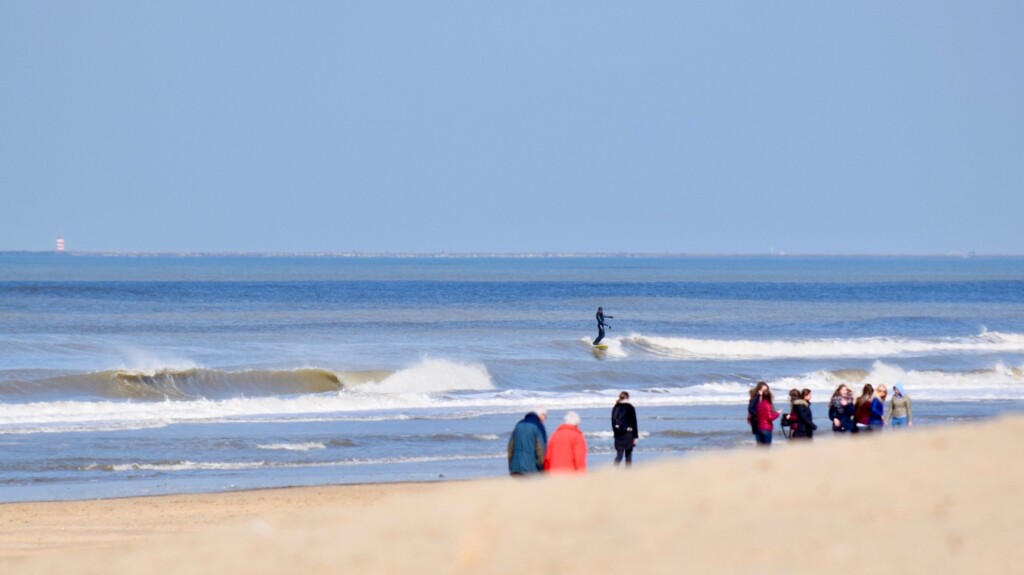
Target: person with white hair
pixel 528 444
pixel 567 450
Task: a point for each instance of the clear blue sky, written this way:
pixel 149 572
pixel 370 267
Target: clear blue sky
pixel 710 127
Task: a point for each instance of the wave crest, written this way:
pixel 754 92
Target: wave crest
pixel 690 348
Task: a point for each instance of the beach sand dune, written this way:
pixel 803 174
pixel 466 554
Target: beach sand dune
pixel 946 500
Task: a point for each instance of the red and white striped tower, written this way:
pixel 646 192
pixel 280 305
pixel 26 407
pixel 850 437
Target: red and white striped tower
pixel 60 243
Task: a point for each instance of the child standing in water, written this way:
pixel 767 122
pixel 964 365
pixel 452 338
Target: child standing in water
pixel 899 414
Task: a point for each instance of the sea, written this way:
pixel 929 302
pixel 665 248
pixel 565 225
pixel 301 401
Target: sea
pixel 127 375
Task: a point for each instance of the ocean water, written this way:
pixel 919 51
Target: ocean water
pixel 126 375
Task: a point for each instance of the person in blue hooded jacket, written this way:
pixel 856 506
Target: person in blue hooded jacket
pixel 528 444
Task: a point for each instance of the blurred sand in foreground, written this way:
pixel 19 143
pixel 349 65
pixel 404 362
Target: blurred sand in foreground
pixel 947 500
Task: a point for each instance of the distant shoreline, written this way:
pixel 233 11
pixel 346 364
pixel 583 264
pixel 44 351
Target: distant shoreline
pixel 500 255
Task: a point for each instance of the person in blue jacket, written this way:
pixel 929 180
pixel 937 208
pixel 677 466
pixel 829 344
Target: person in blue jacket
pixel 878 408
pixel 528 444
pixel 601 324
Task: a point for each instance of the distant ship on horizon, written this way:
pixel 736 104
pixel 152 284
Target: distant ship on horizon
pixel 60 244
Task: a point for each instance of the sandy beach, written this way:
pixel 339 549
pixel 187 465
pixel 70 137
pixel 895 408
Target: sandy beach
pixel 942 500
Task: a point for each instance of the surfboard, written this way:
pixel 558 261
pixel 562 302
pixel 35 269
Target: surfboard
pixel 601 347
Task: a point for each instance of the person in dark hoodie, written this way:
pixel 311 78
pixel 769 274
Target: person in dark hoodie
pixel 625 429
pixel 803 426
pixel 840 410
pixel 528 444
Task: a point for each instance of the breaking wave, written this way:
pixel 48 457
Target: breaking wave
pixel 477 397
pixel 871 347
pixel 194 383
pixel 171 383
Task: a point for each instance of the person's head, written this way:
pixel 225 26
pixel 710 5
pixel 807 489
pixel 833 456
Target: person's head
pixel 841 391
pixel 623 396
pixel 897 389
pixel 805 394
pixel 572 418
pixel 600 309
pixel 868 390
pixel 794 394
pixel 542 413
pixel 759 389
pixel 881 392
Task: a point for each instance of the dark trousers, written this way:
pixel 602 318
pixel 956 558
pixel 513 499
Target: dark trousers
pixel 624 446
pixel 764 437
pixel 600 334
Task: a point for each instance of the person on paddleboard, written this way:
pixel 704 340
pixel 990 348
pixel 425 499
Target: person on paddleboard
pixel 601 324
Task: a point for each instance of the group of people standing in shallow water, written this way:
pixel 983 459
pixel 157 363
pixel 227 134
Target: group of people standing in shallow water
pixel 530 451
pixel 869 412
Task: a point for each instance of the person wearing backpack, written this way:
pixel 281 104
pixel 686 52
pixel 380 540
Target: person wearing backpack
pixel 625 429
pixel 803 424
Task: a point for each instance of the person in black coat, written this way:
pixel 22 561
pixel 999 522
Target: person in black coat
pixel 624 427
pixel 841 410
pixel 803 425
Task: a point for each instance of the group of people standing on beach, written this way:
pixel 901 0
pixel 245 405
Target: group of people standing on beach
pixel 869 412
pixel 530 451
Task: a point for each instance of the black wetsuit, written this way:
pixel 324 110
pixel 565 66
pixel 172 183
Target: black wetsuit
pixel 601 326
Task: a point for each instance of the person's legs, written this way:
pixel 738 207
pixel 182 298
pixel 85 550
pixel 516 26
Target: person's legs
pixel 899 422
pixel 764 438
pixel 618 454
pixel 600 335
pixel 629 456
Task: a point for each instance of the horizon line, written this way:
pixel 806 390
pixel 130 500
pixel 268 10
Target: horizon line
pixel 496 255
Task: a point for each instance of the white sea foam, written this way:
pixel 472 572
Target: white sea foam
pixel 235 465
pixel 690 348
pixel 610 435
pixel 998 382
pixel 614 344
pixel 432 376
pixel 293 446
pixel 185 466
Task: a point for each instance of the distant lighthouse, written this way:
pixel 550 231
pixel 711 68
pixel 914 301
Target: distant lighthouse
pixel 60 243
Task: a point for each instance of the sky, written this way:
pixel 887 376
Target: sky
pixel 869 127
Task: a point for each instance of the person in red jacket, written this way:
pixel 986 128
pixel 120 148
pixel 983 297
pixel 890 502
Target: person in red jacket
pixel 567 449
pixel 766 416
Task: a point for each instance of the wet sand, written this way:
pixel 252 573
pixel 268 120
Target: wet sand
pixel 947 500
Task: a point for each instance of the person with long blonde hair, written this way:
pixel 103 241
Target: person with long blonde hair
pixel 878 408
